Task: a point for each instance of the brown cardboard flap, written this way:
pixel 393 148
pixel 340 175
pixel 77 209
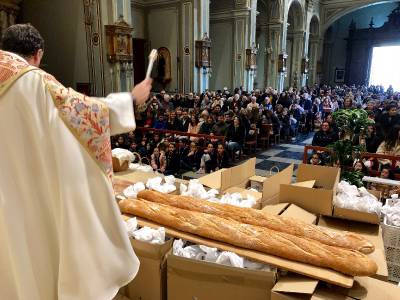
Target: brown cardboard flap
pixel 309 183
pixel 152 251
pixel 317 201
pixel 276 209
pixel 349 214
pixel 293 211
pixel 324 274
pixel 240 174
pixel 296 284
pixel 366 288
pixel 325 177
pixel 271 186
pixel 212 180
pixel 257 178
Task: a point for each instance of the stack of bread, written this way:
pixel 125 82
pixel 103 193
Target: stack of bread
pixel 253 229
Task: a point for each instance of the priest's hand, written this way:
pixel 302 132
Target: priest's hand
pixel 141 91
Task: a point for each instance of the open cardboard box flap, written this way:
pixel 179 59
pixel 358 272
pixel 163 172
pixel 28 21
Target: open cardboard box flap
pixel 296 284
pixel 349 214
pixel 364 288
pixel 239 176
pixel 309 183
pixel 318 199
pixel 295 212
pixel 275 209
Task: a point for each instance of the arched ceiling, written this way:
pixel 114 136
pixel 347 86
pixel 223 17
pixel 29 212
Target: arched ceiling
pixel 332 10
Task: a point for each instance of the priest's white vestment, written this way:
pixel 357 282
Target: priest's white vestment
pixel 61 233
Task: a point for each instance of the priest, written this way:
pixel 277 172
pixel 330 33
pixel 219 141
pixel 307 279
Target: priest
pixel 61 233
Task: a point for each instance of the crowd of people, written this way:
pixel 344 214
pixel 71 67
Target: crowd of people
pixel 238 116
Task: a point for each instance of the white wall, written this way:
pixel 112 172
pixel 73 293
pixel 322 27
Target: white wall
pixel 61 24
pixel 138 18
pixel 340 31
pixel 221 54
pixel 163 31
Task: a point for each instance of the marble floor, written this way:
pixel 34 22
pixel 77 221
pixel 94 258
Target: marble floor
pixel 282 155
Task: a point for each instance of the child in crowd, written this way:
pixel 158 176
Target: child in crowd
pixel 158 160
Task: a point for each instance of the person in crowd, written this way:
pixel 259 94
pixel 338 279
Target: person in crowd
pixel 222 158
pixel 172 161
pixel 348 103
pixel 121 143
pixel 194 127
pixel 386 173
pixel 390 145
pixel 191 162
pixel 325 136
pixel 235 136
pixel 316 159
pixel 220 128
pixel 359 166
pixel 185 121
pixel 158 160
pixel 389 119
pixel 173 122
pixel 160 123
pixel 206 127
pixel 208 160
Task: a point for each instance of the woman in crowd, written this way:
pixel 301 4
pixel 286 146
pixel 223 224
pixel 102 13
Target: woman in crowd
pixel 172 160
pixel 173 122
pixel 194 127
pixel 208 161
pixel 158 160
pixel 390 145
pixel 324 136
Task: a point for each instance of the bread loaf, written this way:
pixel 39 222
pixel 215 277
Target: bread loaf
pixel 256 217
pixel 257 238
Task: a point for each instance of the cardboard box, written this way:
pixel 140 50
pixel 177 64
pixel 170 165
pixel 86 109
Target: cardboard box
pixel 371 232
pixel 319 199
pixel 257 182
pixel 353 215
pixel 318 273
pixel 193 279
pixel 241 177
pixel 150 282
pixel 364 288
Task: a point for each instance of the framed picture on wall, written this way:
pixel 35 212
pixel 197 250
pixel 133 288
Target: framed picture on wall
pixel 339 75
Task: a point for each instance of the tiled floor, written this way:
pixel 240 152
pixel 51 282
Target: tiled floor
pixel 282 155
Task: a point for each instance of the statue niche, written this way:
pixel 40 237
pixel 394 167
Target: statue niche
pixel 164 76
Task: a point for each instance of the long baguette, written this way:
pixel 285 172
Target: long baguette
pixel 343 239
pixel 257 238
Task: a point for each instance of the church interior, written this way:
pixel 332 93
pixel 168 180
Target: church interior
pixel 279 113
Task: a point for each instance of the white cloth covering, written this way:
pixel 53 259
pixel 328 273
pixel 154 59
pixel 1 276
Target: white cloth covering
pixel 61 232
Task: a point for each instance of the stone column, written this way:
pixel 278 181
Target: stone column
pixel 313 56
pixel 273 50
pixel 296 58
pixel 201 27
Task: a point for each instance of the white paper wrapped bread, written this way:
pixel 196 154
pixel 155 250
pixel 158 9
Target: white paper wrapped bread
pixel 256 217
pixel 350 262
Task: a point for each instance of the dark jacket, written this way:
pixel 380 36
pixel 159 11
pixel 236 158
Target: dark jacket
pixel 222 161
pixel 324 139
pixel 236 134
pixel 219 129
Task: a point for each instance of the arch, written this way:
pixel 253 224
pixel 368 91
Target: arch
pixel 275 9
pixel 295 16
pixel 314 26
pixel 329 19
